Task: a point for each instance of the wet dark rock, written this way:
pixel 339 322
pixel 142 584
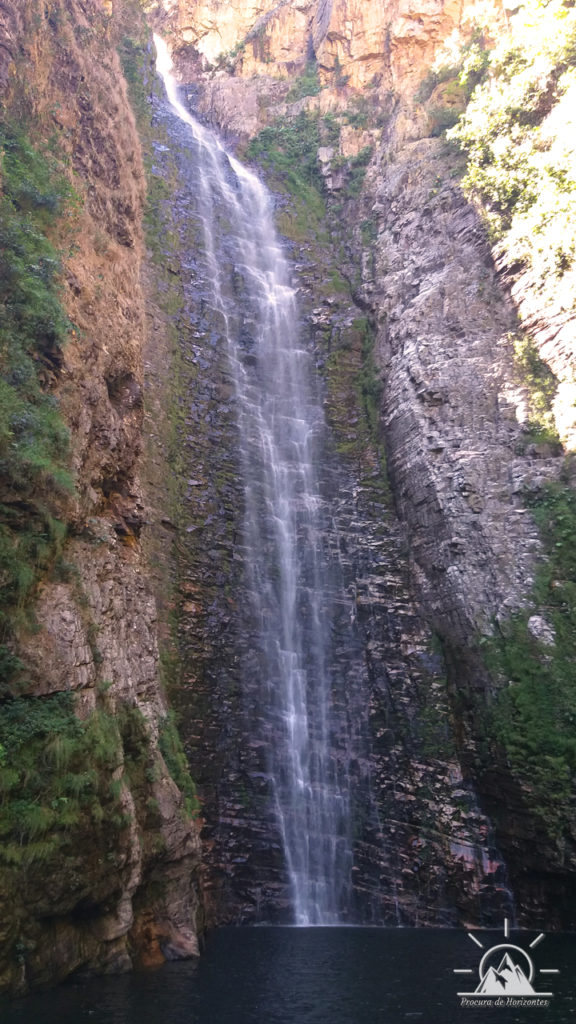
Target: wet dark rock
pixel 418 857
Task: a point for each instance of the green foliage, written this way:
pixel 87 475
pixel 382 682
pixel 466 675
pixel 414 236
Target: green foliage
pixel 133 57
pixel 287 149
pixel 516 133
pixel 173 753
pixel 369 381
pixel 34 445
pixel 340 79
pixel 462 71
pixel 442 119
pixel 330 130
pixel 434 78
pixel 357 171
pixel 33 325
pixel 307 84
pixel 536 373
pixel 55 776
pixel 227 57
pixel 369 233
pixel 453 82
pixel 361 111
pixel 542 385
pixel 535 715
pixel 475 63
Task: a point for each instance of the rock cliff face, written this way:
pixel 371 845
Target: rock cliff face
pixel 349 39
pixel 412 328
pixel 461 462
pixel 418 859
pixel 459 466
pixel 108 878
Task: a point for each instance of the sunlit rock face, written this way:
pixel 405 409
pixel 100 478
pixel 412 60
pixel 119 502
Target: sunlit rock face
pixel 355 44
pixel 243 58
pixel 269 33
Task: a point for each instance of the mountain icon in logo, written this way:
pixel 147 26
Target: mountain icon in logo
pixel 506 969
pixel 508 978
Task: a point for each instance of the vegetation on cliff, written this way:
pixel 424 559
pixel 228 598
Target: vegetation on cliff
pixel 518 135
pixel 311 216
pixel 514 108
pixel 287 150
pixel 307 84
pixel 87 808
pixel 175 758
pixel 57 778
pixel 34 445
pixel 509 107
pixel 534 717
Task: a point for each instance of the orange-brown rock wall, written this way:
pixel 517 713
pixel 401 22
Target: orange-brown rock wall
pixel 123 891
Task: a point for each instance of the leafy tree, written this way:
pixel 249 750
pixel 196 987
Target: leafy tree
pixel 518 134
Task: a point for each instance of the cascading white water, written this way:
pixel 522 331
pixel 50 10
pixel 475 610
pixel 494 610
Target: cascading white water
pixel 280 425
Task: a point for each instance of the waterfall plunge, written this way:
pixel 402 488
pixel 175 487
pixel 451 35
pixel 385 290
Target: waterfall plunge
pixel 281 427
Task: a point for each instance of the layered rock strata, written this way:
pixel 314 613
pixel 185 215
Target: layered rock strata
pixel 453 401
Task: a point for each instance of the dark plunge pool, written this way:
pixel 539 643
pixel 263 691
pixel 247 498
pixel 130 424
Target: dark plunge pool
pixel 320 976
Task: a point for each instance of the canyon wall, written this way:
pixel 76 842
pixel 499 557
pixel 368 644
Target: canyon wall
pixel 99 849
pixel 446 506
pixel 424 852
pixel 464 464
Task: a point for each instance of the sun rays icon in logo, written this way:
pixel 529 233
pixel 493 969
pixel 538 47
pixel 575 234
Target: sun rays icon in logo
pixel 506 969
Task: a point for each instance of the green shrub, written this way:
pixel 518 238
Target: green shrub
pixel 534 717
pixel 330 130
pixel 34 443
pixel 134 58
pixel 515 133
pixel 173 753
pixel 340 79
pixel 369 380
pixel 462 72
pixel 441 119
pixel 288 149
pixel 433 78
pixel 306 84
pixel 542 385
pixel 357 171
pixel 55 775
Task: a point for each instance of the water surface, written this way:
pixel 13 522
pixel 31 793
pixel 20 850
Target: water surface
pixel 309 976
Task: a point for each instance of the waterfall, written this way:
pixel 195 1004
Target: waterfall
pixel 288 575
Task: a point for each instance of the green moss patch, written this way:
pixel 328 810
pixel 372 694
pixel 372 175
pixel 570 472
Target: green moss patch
pixel 56 778
pixel 534 717
pixel 306 84
pixel 173 753
pixel 34 441
pixel 288 149
pixel 542 385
